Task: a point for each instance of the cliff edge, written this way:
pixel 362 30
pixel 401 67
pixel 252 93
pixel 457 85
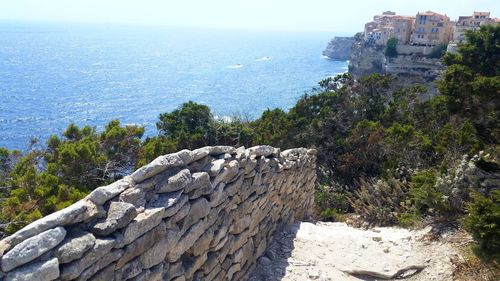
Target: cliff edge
pixel 339 48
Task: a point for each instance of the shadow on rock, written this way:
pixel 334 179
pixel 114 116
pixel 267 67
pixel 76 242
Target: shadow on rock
pixel 272 265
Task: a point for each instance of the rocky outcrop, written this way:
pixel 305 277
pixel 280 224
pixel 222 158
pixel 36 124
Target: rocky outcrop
pixel 206 214
pixel 410 67
pixel 339 48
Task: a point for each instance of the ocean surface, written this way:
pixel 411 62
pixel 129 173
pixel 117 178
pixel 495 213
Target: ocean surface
pixel 55 74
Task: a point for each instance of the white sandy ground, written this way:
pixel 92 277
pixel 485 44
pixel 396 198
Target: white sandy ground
pixel 325 251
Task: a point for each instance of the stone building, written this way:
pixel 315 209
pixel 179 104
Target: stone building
pixel 388 25
pixel 431 28
pixel 472 23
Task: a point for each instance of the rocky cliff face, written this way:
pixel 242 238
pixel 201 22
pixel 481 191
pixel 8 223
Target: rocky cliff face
pixel 206 214
pixel 339 48
pixel 411 66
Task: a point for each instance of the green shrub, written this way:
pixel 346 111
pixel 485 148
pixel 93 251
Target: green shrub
pixel 327 197
pixel 407 220
pixel 483 221
pixel 438 51
pixel 390 49
pixel 379 203
pixel 424 195
pixel 331 215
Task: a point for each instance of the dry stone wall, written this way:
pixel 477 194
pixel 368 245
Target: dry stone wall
pixel 205 214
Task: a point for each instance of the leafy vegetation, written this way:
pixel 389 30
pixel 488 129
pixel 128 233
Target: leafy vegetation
pixel 390 48
pixel 384 152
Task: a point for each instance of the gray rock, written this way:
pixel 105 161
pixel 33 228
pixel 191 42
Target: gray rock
pixel 187 241
pixel 172 201
pixel 70 215
pixel 155 254
pixel 260 150
pixel 74 269
pixel 175 270
pixel 106 274
pixel 32 248
pixel 201 180
pixel 142 223
pixel 135 196
pixel 73 248
pixel 218 195
pixel 200 208
pixel 221 149
pixel 203 243
pixel 129 270
pixel 100 264
pixel 182 213
pixel 103 194
pixel 158 165
pixel 39 271
pixel 213 168
pixel 200 153
pixel 120 214
pixel 192 264
pixel 142 244
pixel 240 224
pixel 174 182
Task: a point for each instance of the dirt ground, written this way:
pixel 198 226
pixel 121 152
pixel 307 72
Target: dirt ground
pixel 335 251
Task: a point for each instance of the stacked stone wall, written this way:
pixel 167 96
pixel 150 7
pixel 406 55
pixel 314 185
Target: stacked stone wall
pixel 206 214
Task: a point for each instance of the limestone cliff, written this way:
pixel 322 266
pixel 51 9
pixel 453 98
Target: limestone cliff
pixel 339 48
pixel 411 66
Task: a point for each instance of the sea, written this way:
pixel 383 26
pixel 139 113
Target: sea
pixel 53 74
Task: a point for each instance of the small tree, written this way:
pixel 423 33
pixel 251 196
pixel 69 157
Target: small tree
pixel 390 49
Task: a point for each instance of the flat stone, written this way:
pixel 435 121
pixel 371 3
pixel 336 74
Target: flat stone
pixel 213 168
pixel 120 214
pixel 129 270
pixel 70 215
pixel 175 270
pixel 175 182
pixel 155 254
pixel 203 243
pixel 260 150
pixel 142 223
pixel 192 264
pixel 157 166
pixel 171 201
pixel 39 271
pixel 240 225
pixel 32 248
pixel 220 149
pixel 74 247
pixel 218 195
pixel 200 153
pixel 201 180
pixel 106 274
pixel 103 194
pixel 142 244
pixel 182 213
pixel 135 196
pixel 74 269
pixel 106 260
pixel 187 241
pixel 200 208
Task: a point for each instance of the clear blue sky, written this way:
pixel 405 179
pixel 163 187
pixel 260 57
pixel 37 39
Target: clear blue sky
pixel 304 15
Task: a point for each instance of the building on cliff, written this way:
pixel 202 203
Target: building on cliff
pixel 473 23
pixel 431 28
pixel 388 25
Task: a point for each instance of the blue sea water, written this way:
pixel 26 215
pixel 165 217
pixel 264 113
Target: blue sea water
pixel 54 74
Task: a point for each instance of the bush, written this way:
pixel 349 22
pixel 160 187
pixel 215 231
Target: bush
pixel 330 198
pixel 331 215
pixel 483 221
pixel 390 49
pixel 380 203
pixel 438 51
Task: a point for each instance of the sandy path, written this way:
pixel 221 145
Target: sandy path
pixel 325 251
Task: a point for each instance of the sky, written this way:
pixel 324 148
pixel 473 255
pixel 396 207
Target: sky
pixel 346 16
